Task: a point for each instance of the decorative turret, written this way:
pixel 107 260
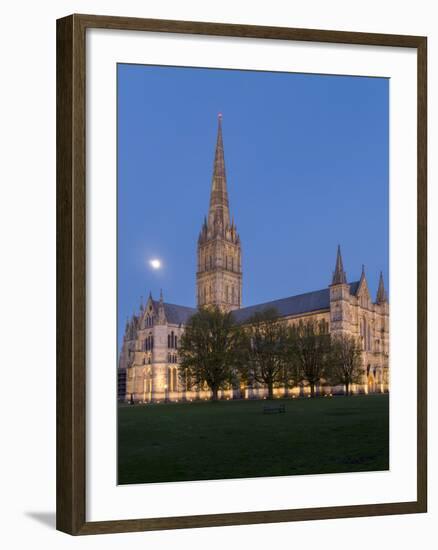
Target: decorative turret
pixel 339 276
pixel 381 297
pixel 161 311
pixel 219 276
pixel 340 307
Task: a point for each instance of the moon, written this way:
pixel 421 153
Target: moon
pixel 155 263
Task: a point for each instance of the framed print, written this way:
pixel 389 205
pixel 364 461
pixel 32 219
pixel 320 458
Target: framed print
pixel 241 274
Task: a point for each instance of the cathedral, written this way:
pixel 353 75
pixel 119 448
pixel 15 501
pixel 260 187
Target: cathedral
pixel 148 362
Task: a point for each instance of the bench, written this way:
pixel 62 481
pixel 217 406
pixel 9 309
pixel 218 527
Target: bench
pixel 272 409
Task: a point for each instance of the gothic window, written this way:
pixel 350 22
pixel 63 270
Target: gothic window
pixel 226 262
pixel 232 294
pixel 176 342
pixel 226 293
pixel 168 340
pixel 169 358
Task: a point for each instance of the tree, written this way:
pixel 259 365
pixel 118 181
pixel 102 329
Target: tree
pixel 345 363
pixel 264 349
pixel 310 346
pixel 208 349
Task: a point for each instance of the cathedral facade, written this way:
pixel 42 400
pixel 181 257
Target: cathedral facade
pixel 148 362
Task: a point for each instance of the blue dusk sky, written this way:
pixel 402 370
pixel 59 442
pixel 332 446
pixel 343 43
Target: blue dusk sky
pixel 307 161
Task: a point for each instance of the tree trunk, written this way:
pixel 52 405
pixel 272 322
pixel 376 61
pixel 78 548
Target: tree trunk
pixel 347 388
pixel 270 390
pixel 214 396
pixel 312 389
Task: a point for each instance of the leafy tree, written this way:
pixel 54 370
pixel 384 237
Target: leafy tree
pixel 345 363
pixel 310 346
pixel 209 349
pixel 265 357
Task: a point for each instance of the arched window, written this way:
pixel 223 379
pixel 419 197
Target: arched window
pixel 176 342
pixel 168 340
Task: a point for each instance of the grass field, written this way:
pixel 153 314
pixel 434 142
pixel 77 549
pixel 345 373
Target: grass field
pixel 232 439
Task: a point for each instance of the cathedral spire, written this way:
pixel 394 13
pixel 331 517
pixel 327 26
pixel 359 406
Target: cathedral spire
pixel 381 292
pixel 219 254
pixel 339 276
pixel 219 212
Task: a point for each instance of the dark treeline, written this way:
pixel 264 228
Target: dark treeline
pixel 217 353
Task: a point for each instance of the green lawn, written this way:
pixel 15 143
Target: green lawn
pixel 232 439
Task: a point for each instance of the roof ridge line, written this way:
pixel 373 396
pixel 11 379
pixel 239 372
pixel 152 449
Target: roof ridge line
pixel 293 296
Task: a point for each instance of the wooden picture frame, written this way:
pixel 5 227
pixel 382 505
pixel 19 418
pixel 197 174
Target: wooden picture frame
pixel 71 273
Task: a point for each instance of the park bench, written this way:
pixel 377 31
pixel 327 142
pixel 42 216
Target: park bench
pixel 272 409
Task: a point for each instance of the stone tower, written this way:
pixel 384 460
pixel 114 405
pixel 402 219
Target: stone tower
pixel 340 315
pixel 219 275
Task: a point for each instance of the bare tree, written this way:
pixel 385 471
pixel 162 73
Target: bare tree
pixel 345 363
pixel 310 346
pixel 265 350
